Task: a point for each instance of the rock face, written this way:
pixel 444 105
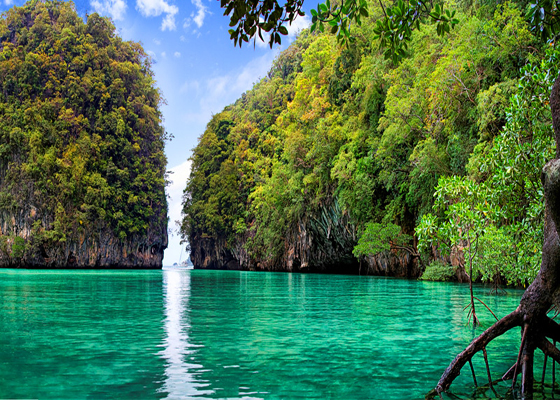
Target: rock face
pixel 101 250
pixel 210 253
pixel 320 243
pixel 23 246
pixel 397 264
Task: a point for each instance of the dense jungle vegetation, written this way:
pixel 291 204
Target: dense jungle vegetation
pixel 441 152
pixel 81 140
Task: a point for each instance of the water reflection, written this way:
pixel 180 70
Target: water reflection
pixel 181 379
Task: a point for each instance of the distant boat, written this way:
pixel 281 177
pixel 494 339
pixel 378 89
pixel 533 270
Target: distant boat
pixel 187 264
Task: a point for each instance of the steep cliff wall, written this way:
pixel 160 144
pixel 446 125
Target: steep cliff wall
pixel 397 264
pixel 320 243
pixel 83 249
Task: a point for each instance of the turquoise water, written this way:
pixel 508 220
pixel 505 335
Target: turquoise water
pixel 226 334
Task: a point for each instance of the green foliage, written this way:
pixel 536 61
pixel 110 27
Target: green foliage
pixel 81 140
pixel 497 257
pixel 438 270
pixel 338 18
pixel 497 214
pixel 18 247
pixel 403 17
pixel 378 238
pixel 394 29
pixel 544 16
pixel 346 126
pixel 250 19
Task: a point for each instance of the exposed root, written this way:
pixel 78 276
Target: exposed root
pixel 539 297
pixel 487 367
pixel 549 349
pixel 551 329
pixel 473 374
pixel 515 369
pixel 488 308
pixel 533 337
pixel 499 328
pixel 527 368
pixel 544 368
pixel 518 362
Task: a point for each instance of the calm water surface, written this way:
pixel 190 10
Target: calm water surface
pixel 225 334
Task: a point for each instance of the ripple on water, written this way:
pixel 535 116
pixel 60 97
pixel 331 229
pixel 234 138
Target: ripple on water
pixel 224 334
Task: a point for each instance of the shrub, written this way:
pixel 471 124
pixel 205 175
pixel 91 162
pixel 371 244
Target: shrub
pixel 438 271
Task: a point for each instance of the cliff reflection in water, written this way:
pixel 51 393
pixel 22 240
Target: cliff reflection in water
pixel 181 378
pixel 233 334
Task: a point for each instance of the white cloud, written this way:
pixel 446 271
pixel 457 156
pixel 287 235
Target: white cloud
pixel 196 17
pixel 174 190
pixel 113 8
pixel 201 11
pixel 163 54
pixel 177 54
pixel 217 92
pixel 298 25
pixel 8 2
pixel 152 55
pixel 183 39
pixel 190 86
pixel 157 42
pixel 169 21
pixel 154 8
pixel 263 44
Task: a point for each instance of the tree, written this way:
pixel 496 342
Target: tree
pixel 394 30
pixel 377 238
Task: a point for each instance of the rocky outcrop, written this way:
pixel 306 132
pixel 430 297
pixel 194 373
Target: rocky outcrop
pixel 82 162
pixel 211 253
pixel 397 264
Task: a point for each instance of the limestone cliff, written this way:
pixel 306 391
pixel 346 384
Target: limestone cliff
pixel 97 249
pixel 319 243
pixel 82 163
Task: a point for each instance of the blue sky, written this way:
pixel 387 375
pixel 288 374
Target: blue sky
pixel 196 66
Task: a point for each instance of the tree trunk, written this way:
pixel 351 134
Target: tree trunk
pixel 540 296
